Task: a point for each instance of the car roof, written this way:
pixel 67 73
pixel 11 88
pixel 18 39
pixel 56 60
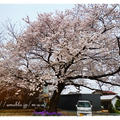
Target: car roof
pixel 83 101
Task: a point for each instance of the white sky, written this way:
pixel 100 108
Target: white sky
pixel 19 11
pixel 59 1
pixel 16 12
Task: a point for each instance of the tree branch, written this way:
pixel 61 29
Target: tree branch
pixel 78 85
pixel 67 65
pixel 118 41
pixel 96 77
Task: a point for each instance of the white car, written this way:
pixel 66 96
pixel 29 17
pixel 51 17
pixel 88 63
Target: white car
pixel 84 108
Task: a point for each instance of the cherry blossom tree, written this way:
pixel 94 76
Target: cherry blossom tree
pixel 74 47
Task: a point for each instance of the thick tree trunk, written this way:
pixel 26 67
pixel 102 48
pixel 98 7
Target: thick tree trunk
pixel 52 106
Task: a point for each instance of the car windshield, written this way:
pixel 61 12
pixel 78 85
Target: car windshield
pixel 83 104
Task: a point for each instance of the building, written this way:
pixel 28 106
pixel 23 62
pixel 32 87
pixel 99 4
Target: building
pixel 69 101
pixel 107 100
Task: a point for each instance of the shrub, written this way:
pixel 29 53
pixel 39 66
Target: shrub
pixel 111 109
pixel 45 113
pixel 117 105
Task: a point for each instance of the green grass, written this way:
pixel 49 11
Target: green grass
pixel 67 113
pixel 117 111
pixel 16 112
pixel 29 112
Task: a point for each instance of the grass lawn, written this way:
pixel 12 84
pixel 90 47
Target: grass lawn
pixel 16 112
pixel 29 112
pixel 68 113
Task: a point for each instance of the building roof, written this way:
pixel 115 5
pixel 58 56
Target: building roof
pixel 109 92
pixel 105 92
pixel 107 97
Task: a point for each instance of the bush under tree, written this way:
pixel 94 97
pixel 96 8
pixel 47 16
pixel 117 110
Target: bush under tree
pixel 117 105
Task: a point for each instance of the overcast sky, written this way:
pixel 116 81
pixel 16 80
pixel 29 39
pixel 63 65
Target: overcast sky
pixel 16 12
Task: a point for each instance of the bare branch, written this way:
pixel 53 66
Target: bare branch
pixel 80 85
pixel 95 77
pixel 118 41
